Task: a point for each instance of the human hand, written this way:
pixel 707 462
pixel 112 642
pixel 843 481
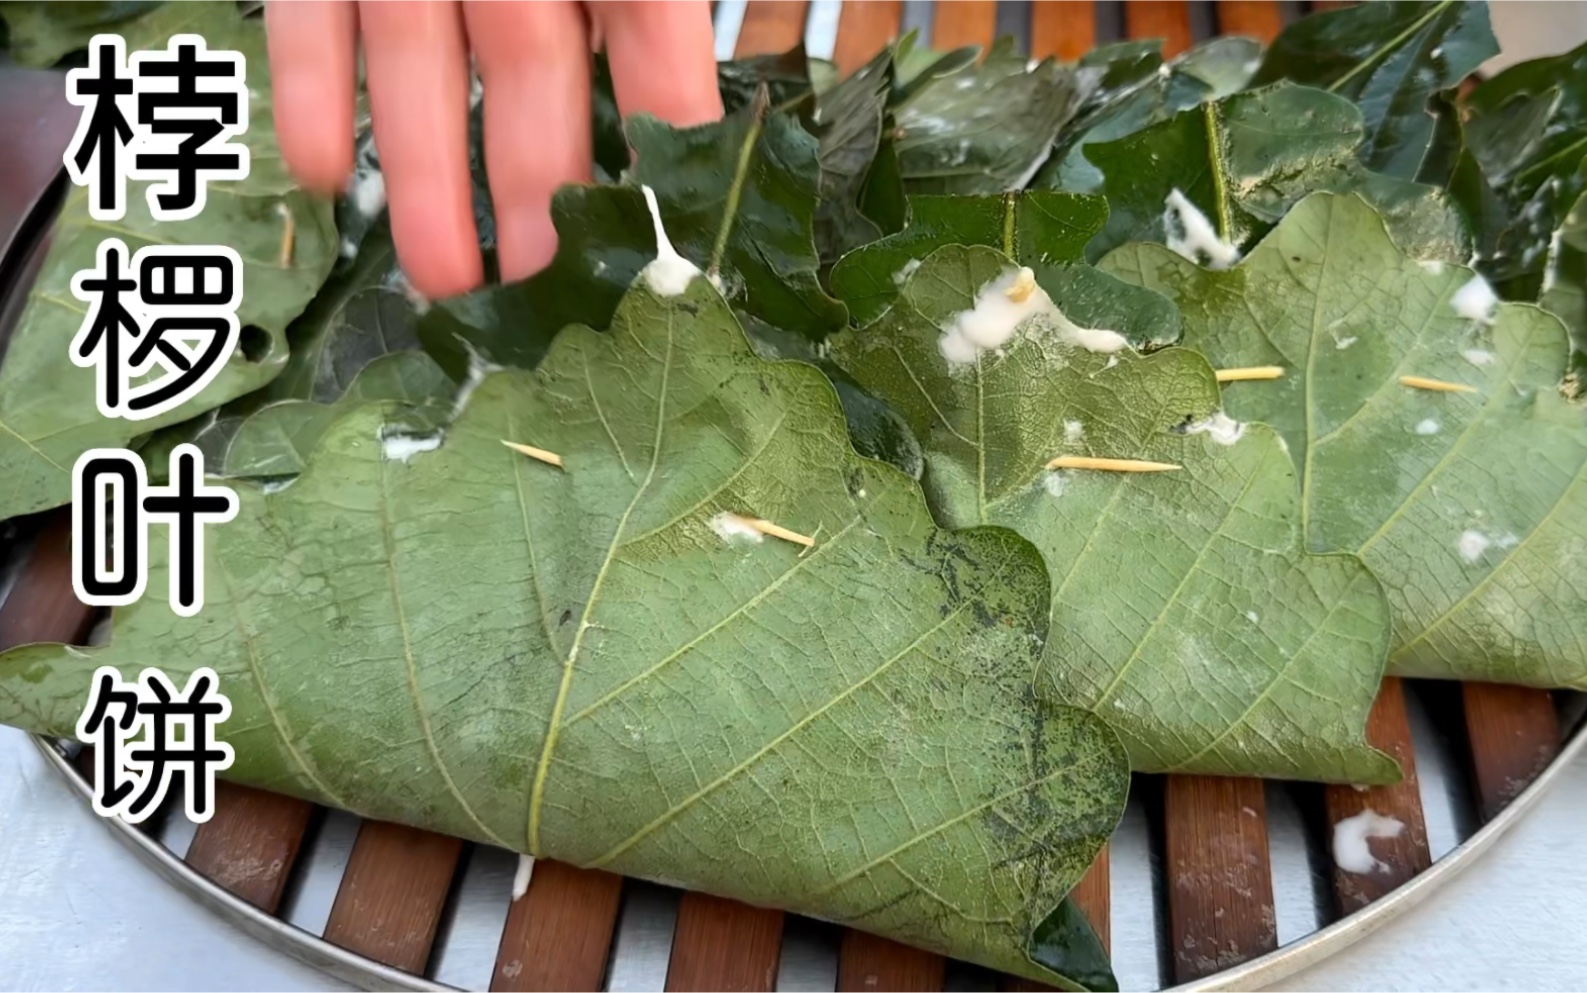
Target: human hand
pixel 534 61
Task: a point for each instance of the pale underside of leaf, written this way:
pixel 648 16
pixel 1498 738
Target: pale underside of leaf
pixel 1184 610
pixel 1470 507
pixel 572 663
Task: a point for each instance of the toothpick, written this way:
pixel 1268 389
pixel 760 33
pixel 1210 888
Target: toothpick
pixel 776 531
pixel 549 458
pixel 1024 285
pixel 1250 372
pixel 1436 385
pixel 288 233
pixel 1110 465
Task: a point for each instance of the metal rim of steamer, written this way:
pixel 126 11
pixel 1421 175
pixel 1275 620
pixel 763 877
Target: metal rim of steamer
pixel 1258 973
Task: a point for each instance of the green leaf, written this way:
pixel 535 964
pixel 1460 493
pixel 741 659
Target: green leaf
pixel 276 440
pixel 1226 65
pixel 1037 226
pixel 1390 58
pixel 611 150
pixel 985 129
pixel 1451 166
pixel 1530 121
pixel 742 196
pixel 358 338
pixel 875 429
pixel 737 196
pixel 1158 99
pixel 851 117
pixel 1066 944
pixel 40 34
pixel 1184 610
pixel 570 663
pixel 1564 288
pixel 1108 71
pixel 786 76
pixel 1469 507
pixel 1134 88
pixel 919 66
pixel 602 242
pixel 1526 128
pixel 882 199
pixel 361 314
pixel 1096 299
pixel 1244 160
pixel 47 411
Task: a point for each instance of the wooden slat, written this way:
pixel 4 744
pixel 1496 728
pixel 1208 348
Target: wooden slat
pixel 559 934
pixel 391 897
pixel 863 28
pixel 250 844
pixel 1514 734
pixel 41 605
pixel 957 23
pixel 1067 30
pixel 1259 19
pixel 771 26
pixel 1093 894
pixel 1220 885
pixel 867 964
pixel 721 944
pixel 1165 19
pixel 1399 858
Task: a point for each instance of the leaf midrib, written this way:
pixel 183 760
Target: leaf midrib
pixel 1218 167
pixel 1394 43
pixel 554 728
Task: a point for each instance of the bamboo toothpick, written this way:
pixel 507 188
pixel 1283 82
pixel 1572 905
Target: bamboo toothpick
pixel 549 458
pixel 289 228
pixel 777 531
pixel 1023 286
pixel 1246 373
pixel 1436 385
pixel 1110 465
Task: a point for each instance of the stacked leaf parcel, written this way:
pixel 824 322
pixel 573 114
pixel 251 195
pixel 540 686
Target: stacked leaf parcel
pixel 960 436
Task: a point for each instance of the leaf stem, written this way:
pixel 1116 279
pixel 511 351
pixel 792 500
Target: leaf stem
pixel 1394 43
pixel 1009 202
pixel 1547 163
pixel 1220 185
pixel 736 191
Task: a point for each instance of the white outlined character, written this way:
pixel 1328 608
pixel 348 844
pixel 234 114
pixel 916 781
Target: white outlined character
pixel 177 317
pixel 137 750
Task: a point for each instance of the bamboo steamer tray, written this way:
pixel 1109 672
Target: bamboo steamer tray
pixel 1209 882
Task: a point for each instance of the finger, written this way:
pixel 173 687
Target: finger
pixel 663 59
pixel 416 65
pixel 533 59
pixel 312 54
